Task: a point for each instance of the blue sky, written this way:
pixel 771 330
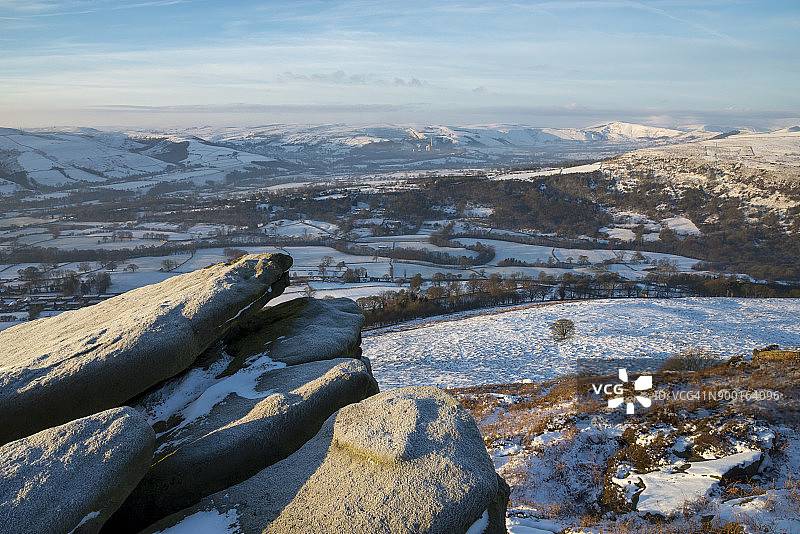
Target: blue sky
pixel 549 63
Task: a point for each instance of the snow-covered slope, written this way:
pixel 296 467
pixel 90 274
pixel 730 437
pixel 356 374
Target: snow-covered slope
pixel 56 159
pixel 80 157
pixel 761 169
pixel 489 136
pixel 512 346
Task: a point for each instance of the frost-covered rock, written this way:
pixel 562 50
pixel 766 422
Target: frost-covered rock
pixel 80 362
pixel 240 424
pixel 73 476
pixel 407 460
pixel 301 330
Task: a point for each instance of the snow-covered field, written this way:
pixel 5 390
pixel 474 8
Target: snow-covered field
pixel 528 175
pixel 322 290
pixel 517 345
pixel 534 253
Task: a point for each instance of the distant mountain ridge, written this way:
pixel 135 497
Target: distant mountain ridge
pixel 51 160
pixel 498 135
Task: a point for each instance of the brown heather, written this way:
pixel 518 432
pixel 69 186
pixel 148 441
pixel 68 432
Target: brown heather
pixel 532 409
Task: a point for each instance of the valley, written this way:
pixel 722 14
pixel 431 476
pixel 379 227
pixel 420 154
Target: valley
pixel 672 253
pixel 674 218
pixel 54 161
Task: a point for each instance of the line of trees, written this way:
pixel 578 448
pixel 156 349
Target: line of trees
pixel 484 255
pixel 45 279
pixel 446 294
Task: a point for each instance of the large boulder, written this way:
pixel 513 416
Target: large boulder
pixel 242 423
pixel 71 478
pixel 300 331
pixel 80 362
pixel 409 460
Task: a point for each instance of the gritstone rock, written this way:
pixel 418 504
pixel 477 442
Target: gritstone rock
pixel 80 362
pixel 409 460
pixel 75 475
pixel 300 331
pixel 242 423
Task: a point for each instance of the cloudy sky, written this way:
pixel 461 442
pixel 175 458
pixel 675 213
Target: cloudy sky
pixel 543 63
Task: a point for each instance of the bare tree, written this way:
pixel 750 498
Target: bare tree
pixel 325 262
pixel 562 329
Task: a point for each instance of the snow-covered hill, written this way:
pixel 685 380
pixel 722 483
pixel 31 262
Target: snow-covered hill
pixel 46 159
pixel 487 136
pixel 56 159
pixel 39 160
pixel 511 346
pixel 761 169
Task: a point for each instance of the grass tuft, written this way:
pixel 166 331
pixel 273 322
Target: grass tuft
pixel 692 359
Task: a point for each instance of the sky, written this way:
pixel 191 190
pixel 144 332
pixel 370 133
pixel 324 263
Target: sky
pixel 570 63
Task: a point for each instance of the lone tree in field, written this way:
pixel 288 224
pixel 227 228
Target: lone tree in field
pixel 562 329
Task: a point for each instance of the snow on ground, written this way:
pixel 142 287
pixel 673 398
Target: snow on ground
pixel 773 508
pixel 201 229
pixel 41 153
pixel 626 221
pixel 305 229
pixel 533 253
pixel 90 242
pixel 335 290
pixel 516 345
pixel 289 185
pixel 623 234
pixel 532 525
pixel 479 212
pixel 19 220
pixel 767 150
pixel 206 522
pixel 666 491
pixel 682 225
pixel 209 256
pixel 132 186
pixel 122 281
pixel 528 175
pixel 306 263
pixel 8 188
pixel 631 218
pixel 417 242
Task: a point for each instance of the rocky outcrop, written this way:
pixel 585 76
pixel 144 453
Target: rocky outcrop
pixel 80 362
pixel 407 460
pixel 74 476
pixel 266 418
pixel 238 411
pixel 241 435
pixel 301 331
